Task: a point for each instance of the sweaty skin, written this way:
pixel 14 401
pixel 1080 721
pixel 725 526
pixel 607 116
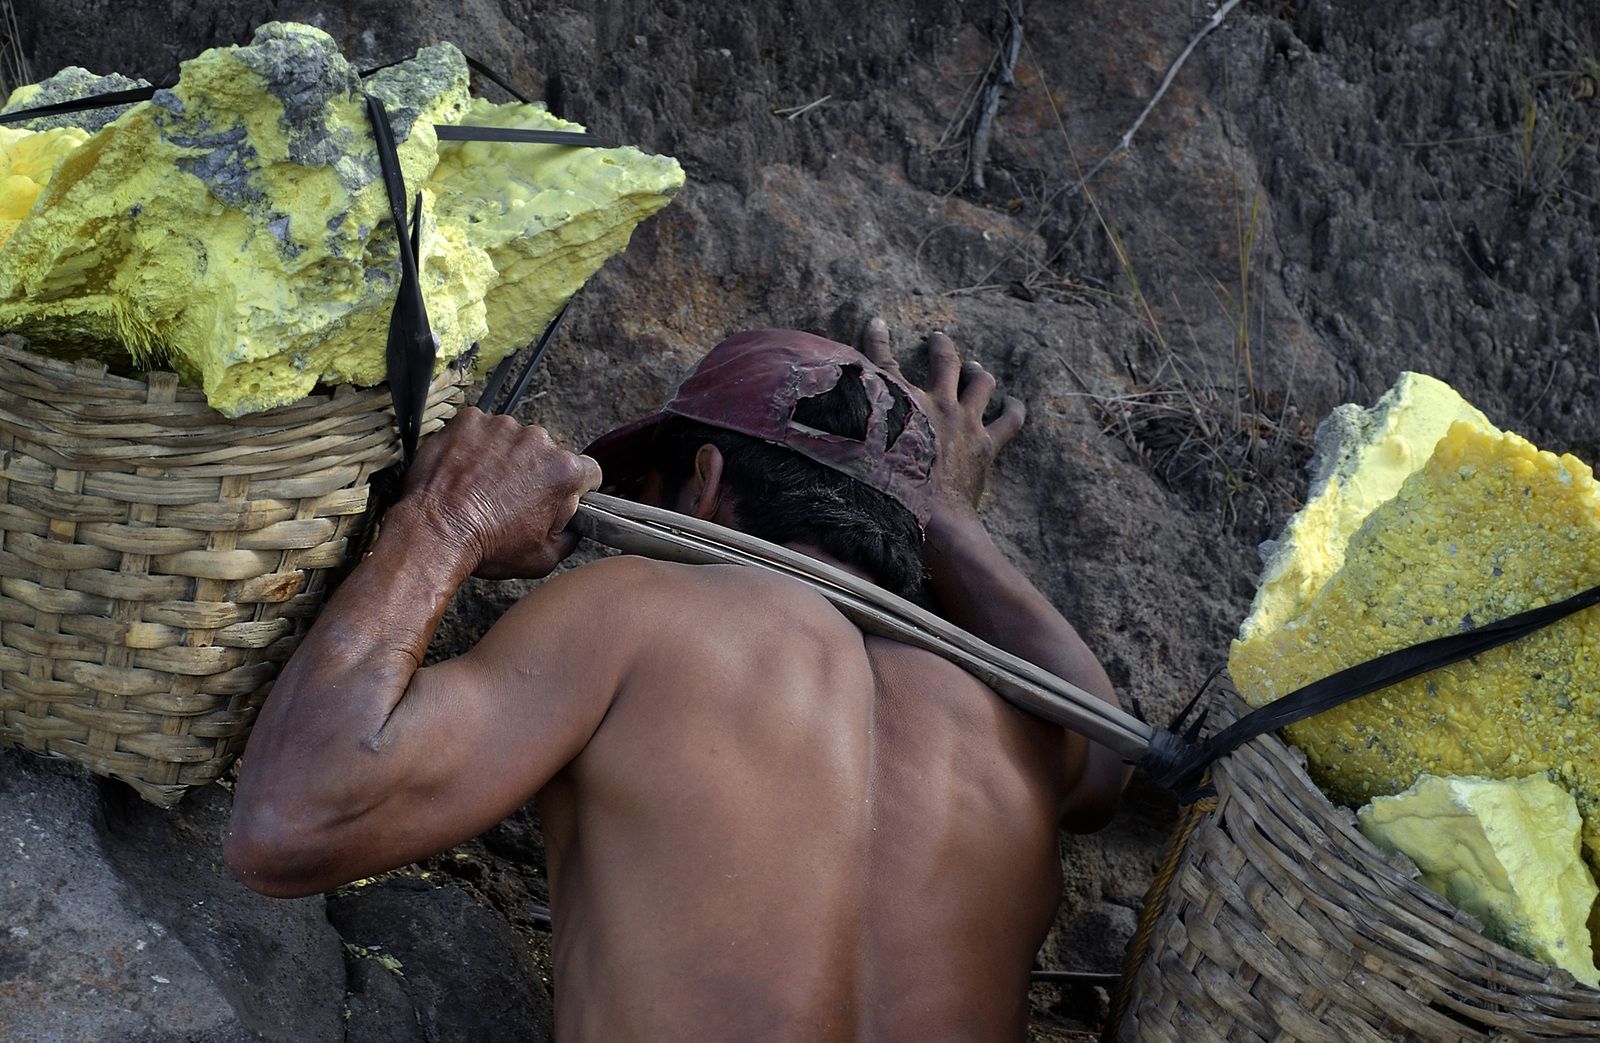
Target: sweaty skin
pixel 760 824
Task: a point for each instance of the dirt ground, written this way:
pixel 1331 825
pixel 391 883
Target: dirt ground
pixel 1327 194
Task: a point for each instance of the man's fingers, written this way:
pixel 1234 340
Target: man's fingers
pixel 1008 423
pixel 592 478
pixel 875 345
pixel 944 365
pixel 979 384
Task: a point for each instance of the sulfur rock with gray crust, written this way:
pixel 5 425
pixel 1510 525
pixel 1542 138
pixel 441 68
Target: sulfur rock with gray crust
pixel 236 226
pixel 71 84
pixel 434 86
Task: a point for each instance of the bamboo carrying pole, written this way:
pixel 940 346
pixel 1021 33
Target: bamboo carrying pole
pixel 653 532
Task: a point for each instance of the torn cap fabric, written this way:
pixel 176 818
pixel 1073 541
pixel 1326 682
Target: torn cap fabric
pixel 751 383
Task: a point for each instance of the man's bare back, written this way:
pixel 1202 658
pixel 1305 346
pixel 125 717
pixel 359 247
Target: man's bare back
pixel 759 823
pixel 781 828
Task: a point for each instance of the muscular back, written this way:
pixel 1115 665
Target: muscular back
pixel 782 829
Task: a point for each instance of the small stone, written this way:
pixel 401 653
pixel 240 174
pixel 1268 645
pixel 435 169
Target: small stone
pixel 85 955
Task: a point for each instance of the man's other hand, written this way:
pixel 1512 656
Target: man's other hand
pixel 977 588
pixel 954 400
pixel 500 491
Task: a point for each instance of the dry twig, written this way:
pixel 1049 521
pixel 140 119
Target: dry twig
pixel 1172 73
pixel 14 70
pixel 969 97
pixel 1004 77
pixel 800 110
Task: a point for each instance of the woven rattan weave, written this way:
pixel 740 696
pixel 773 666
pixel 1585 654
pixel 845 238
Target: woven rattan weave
pixel 159 562
pixel 1282 922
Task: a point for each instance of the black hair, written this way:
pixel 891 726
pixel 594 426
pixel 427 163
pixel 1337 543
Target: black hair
pixel 783 497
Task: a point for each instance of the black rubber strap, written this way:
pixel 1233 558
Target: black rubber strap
pixel 539 350
pixel 499 81
pixel 93 101
pixel 470 132
pixel 412 346
pixel 446 132
pixel 496 381
pixel 1178 764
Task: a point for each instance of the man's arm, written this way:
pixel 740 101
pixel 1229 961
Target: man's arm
pixel 978 588
pixel 361 761
pixel 984 594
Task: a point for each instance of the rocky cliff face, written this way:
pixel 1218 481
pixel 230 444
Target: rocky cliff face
pixel 1328 194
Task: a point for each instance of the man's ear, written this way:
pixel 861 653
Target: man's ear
pixel 703 494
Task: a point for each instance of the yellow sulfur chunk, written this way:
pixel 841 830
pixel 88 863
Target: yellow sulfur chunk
pixel 1505 851
pixel 1362 457
pixel 547 215
pixel 236 227
pixel 27 159
pixel 234 219
pixel 1490 527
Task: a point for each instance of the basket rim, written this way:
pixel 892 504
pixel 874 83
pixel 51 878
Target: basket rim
pixel 1406 939
pixel 132 394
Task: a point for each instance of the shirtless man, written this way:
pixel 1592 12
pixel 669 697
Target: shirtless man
pixel 759 822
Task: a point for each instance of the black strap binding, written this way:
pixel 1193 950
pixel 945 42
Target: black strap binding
pixel 497 379
pixel 479 67
pixel 445 131
pixel 469 132
pixel 413 347
pixel 93 101
pixel 1178 763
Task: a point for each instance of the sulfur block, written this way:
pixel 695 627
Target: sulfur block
pixel 236 227
pixel 1362 456
pixel 1489 527
pixel 1506 851
pixel 548 216
pixel 27 160
pixel 70 84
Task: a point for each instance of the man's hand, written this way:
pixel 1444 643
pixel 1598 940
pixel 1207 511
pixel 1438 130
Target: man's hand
pixel 978 589
pixel 362 759
pixel 502 492
pixel 954 401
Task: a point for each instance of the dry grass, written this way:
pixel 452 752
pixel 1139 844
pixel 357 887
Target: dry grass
pixel 1555 121
pixel 1221 447
pixel 1224 446
pixel 14 70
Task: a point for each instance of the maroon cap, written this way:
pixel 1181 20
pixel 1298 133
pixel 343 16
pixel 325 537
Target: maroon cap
pixel 751 382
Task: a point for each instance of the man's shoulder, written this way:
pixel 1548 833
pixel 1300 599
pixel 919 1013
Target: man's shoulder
pixel 714 601
pixel 620 571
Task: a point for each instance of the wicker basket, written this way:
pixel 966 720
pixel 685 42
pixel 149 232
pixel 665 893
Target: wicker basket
pixel 1282 922
pixel 159 562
